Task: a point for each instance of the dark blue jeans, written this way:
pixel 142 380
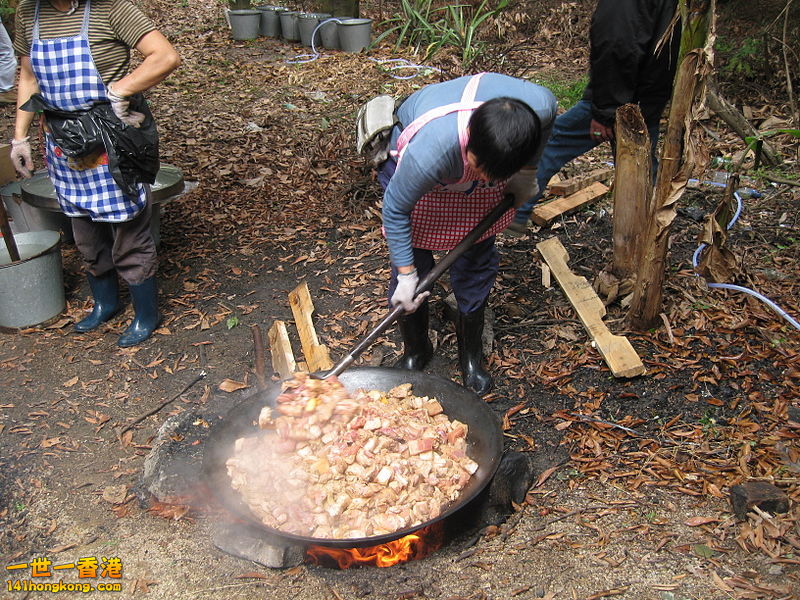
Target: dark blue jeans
pixel 472 274
pixel 570 138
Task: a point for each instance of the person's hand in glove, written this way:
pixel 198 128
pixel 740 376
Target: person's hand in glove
pixel 121 107
pixel 405 293
pixel 21 157
pixel 523 185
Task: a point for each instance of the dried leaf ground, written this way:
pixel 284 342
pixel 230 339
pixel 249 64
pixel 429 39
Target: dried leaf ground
pixel 632 495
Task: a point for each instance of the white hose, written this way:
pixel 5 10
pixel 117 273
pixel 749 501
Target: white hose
pixel 402 63
pixel 738 288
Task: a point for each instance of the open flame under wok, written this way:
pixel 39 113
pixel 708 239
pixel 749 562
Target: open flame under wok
pixel 414 546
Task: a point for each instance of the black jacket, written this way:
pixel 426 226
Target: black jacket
pixel 623 65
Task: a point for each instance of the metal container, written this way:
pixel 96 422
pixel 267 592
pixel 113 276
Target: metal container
pixel 329 34
pixel 270 25
pixel 307 24
pixel 32 288
pixel 289 27
pixel 245 24
pixel 355 34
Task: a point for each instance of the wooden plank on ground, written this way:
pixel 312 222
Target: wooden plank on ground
pixel 616 350
pixel 544 214
pixel 302 307
pixel 573 184
pixel 281 349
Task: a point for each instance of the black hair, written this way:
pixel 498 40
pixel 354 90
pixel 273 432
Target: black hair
pixel 504 134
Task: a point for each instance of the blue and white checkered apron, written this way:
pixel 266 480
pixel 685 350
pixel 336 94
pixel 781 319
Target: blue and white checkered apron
pixel 69 80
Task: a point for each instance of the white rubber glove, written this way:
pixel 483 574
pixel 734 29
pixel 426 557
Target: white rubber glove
pixel 21 157
pixel 121 107
pixel 404 294
pixel 523 185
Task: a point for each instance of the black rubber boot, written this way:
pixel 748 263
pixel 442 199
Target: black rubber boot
pixel 417 347
pixel 469 331
pixel 146 316
pixel 105 290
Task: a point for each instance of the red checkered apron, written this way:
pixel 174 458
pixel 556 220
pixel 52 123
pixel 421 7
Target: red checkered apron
pixel 443 216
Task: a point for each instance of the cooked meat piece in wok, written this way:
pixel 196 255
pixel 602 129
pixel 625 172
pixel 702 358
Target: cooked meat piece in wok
pixel 333 465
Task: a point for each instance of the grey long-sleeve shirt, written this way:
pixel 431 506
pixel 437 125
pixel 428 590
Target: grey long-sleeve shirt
pixel 433 156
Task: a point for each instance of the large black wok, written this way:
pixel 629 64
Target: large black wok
pixel 484 443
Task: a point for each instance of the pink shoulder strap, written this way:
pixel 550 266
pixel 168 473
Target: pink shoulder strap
pixel 464 107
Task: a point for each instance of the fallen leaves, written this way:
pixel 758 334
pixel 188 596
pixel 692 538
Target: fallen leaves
pixel 175 512
pixel 697 521
pixel 229 385
pixel 142 585
pixel 115 494
pixel 608 593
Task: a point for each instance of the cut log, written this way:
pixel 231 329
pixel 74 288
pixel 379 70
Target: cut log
pixel 573 184
pixel 762 494
pixel 545 214
pixel 632 189
pixel 281 349
pixel 302 307
pixel 616 350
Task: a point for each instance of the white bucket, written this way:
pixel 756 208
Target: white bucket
pixel 32 288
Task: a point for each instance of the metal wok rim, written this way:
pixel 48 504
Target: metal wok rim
pixel 484 437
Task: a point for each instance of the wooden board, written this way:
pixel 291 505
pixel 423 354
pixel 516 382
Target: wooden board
pixel 315 353
pixel 545 214
pixel 573 184
pixel 281 349
pixel 7 172
pixel 616 350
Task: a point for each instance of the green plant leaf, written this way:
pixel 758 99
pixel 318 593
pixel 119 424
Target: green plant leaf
pixel 703 551
pixel 232 322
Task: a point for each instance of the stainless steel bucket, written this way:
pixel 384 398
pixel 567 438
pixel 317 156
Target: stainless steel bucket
pixel 32 288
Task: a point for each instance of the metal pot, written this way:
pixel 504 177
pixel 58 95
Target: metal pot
pixel 484 443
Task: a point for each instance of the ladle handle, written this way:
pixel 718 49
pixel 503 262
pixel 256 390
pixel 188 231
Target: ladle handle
pixel 8 235
pixel 426 283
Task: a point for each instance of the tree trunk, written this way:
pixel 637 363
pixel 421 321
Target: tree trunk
pixel 632 189
pixel 675 166
pixel 677 158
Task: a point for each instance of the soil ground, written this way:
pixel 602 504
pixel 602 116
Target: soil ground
pixel 631 498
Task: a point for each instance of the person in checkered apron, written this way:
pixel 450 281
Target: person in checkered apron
pixel 76 53
pixel 457 149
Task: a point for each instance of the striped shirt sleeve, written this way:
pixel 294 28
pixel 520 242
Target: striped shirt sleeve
pixel 115 27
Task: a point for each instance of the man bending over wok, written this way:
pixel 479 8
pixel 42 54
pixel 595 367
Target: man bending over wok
pixel 456 150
